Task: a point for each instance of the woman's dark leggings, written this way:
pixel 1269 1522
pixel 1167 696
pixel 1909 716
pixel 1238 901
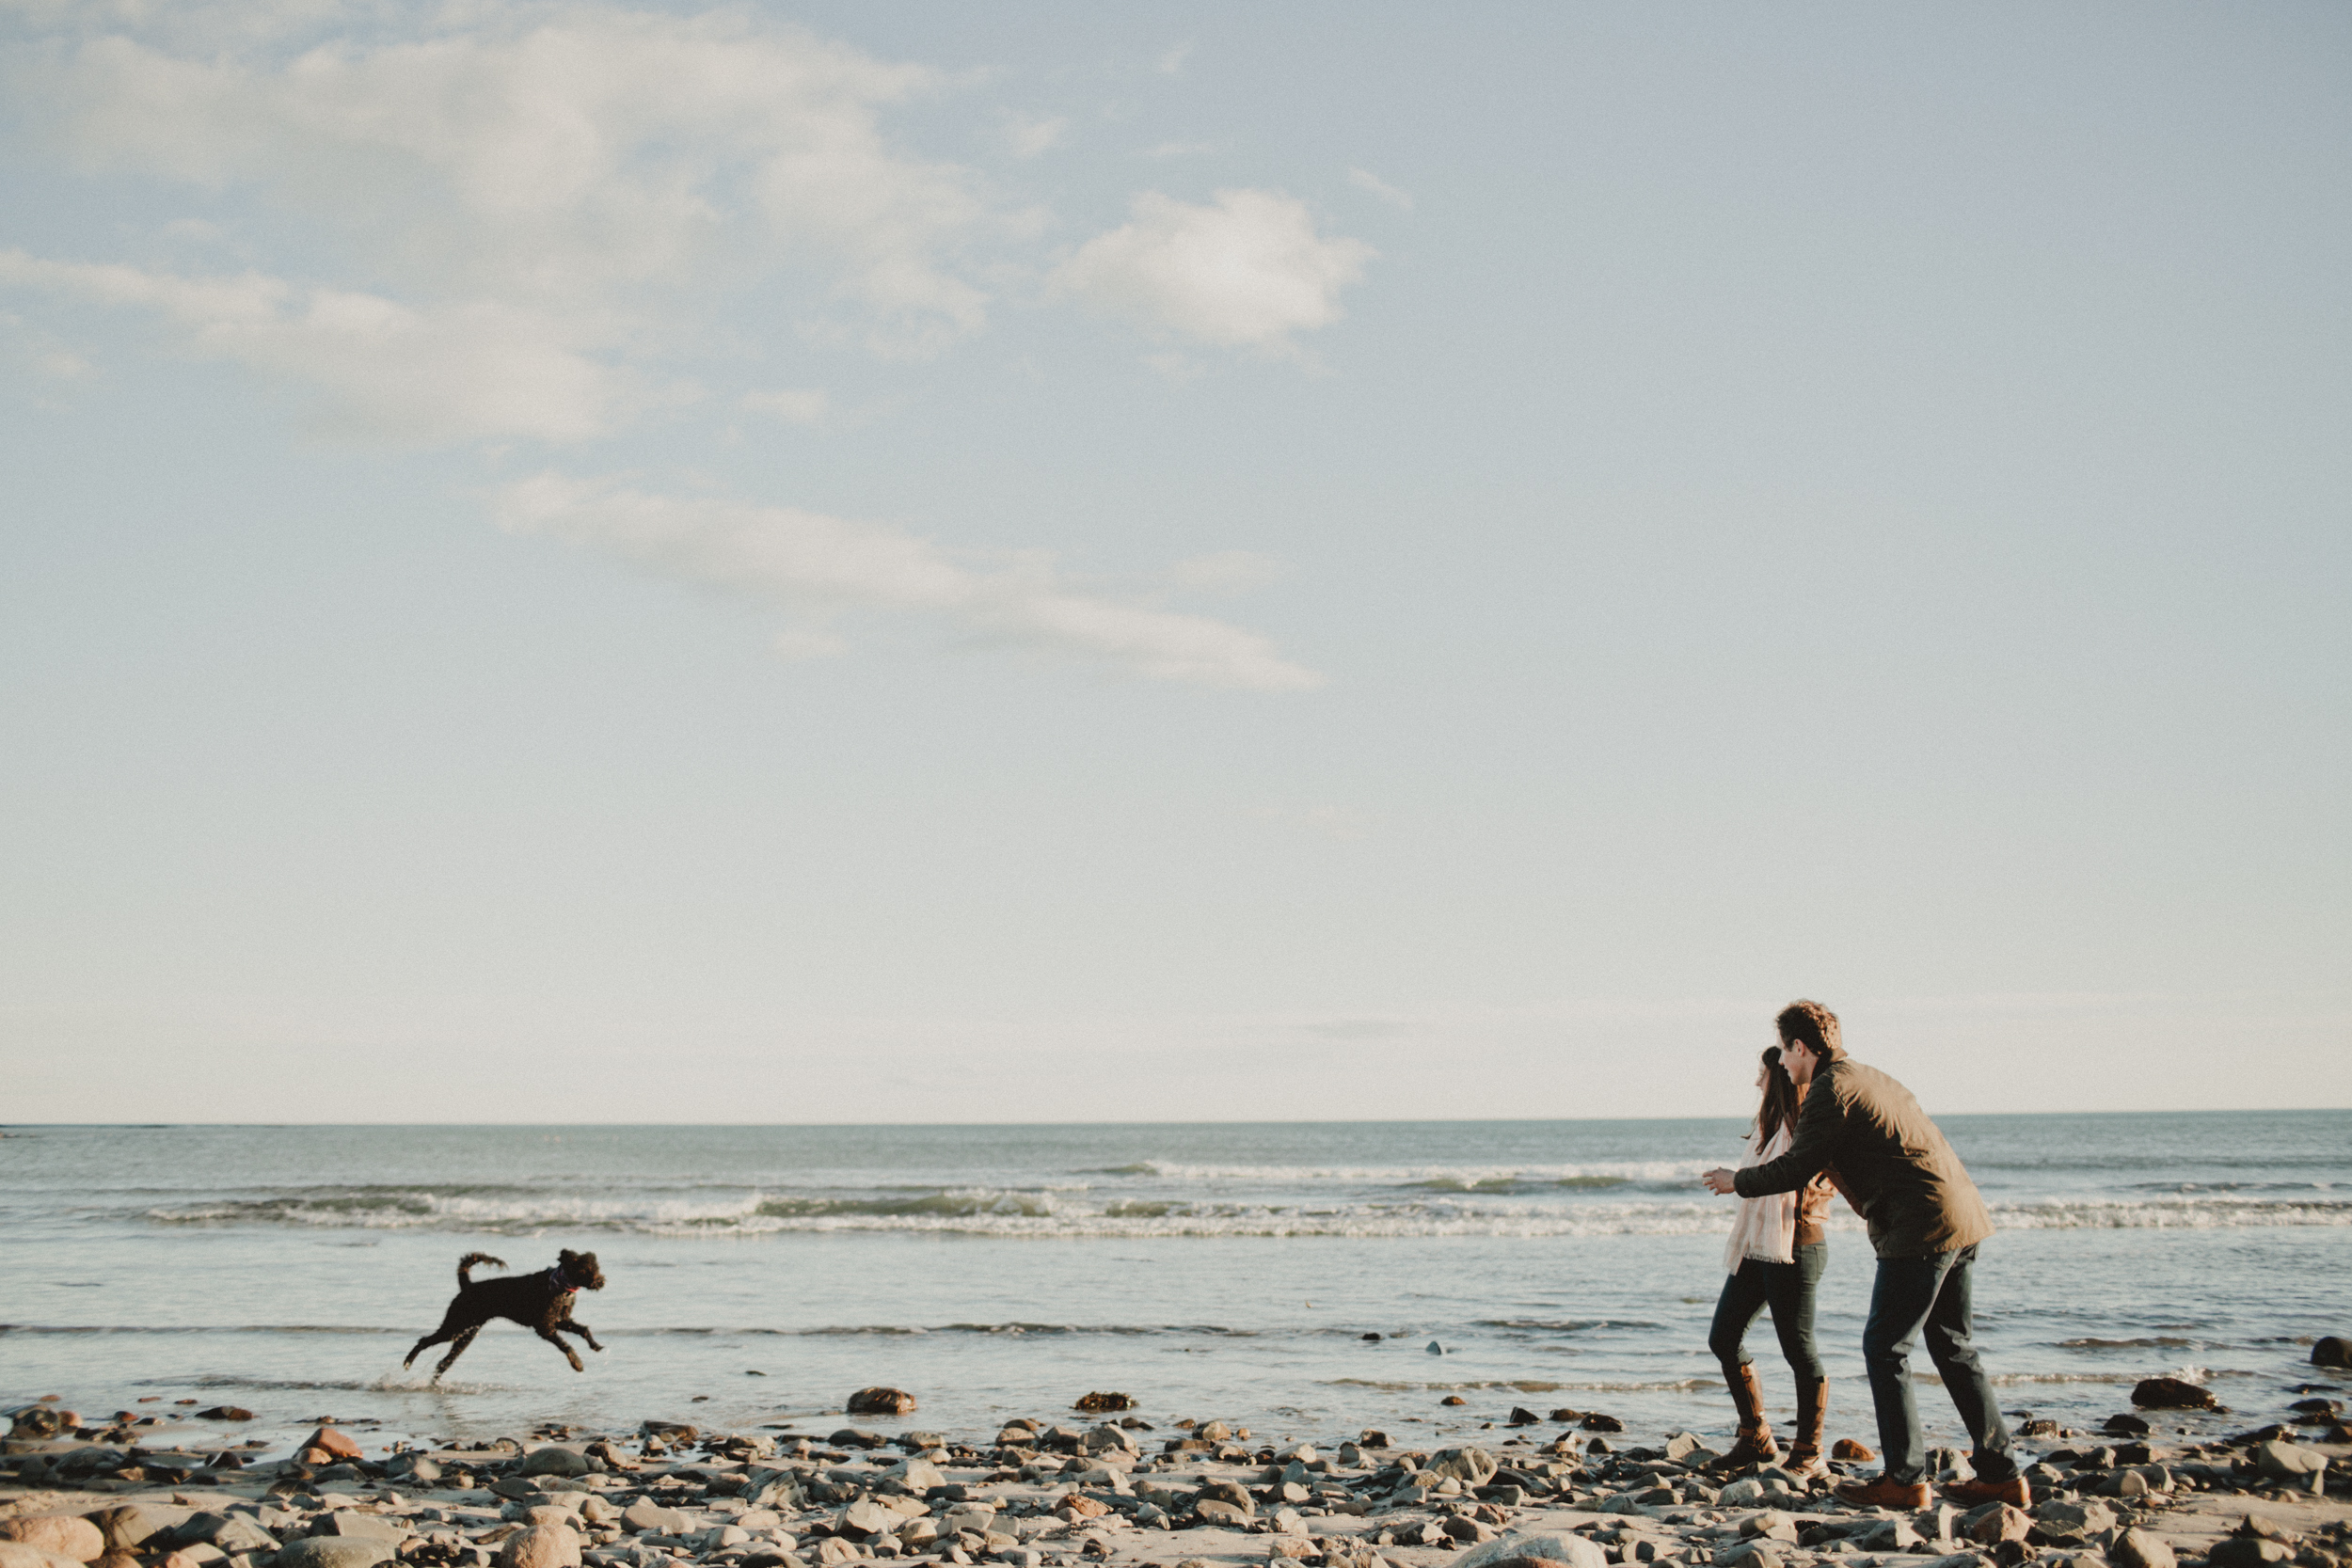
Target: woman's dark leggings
pixel 1788 1289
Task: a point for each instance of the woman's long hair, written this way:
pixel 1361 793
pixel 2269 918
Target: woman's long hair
pixel 1779 1108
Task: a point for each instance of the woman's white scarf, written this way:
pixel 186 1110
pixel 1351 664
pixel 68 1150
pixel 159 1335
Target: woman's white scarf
pixel 1767 1226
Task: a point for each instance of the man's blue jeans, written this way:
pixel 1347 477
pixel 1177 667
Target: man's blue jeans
pixel 1912 1296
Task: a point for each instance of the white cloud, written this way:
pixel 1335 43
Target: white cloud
pixel 1364 180
pixel 1179 149
pixel 1172 62
pixel 791 406
pixel 468 370
pixel 1247 271
pixel 817 564
pixel 1029 137
pixel 590 160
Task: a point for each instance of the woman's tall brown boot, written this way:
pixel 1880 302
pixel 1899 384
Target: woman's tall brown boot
pixel 1756 1445
pixel 1805 1454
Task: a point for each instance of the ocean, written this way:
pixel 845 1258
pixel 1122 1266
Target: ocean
pixel 759 1274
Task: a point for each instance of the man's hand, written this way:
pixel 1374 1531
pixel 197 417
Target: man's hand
pixel 1718 1180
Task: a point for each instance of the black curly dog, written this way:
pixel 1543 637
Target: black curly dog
pixel 540 1302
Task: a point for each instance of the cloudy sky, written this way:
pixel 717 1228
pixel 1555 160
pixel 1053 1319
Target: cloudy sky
pixel 1054 561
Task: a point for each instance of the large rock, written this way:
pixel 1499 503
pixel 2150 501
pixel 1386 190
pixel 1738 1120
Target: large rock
pixel 336 1551
pixel 869 1517
pixel 2000 1522
pixel 130 1527
pixel 2171 1393
pixel 541 1546
pixel 232 1533
pixel 880 1401
pixel 1573 1550
pixel 556 1460
pixel 647 1515
pixel 2293 1465
pixel 2331 1351
pixel 2073 1521
pixel 65 1534
pixel 16 1554
pixel 1472 1467
pixel 2249 1551
pixel 333 1442
pixel 2140 1549
pixel 364 1527
pixel 917 1476
pixel 1887 1535
pixel 1750 1554
pixel 1217 1510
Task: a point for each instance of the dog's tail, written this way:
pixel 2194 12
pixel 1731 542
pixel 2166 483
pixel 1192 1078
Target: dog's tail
pixel 465 1266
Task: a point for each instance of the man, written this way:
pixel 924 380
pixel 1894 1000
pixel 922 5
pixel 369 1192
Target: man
pixel 1926 1221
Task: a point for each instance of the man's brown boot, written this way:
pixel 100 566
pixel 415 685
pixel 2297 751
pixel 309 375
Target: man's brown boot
pixel 1882 1493
pixel 1805 1454
pixel 1756 1445
pixel 1970 1493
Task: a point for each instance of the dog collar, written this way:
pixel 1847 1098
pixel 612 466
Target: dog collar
pixel 556 1274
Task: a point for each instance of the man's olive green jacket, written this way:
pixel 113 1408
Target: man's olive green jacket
pixel 1886 1157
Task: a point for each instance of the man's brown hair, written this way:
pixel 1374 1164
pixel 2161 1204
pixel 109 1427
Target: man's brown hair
pixel 1811 1025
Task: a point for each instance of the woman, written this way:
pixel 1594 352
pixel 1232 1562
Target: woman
pixel 1774 1258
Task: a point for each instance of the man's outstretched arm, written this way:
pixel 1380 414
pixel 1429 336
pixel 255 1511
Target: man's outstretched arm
pixel 1819 1127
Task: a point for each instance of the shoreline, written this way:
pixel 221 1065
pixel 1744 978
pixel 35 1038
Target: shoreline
pixel 1074 1489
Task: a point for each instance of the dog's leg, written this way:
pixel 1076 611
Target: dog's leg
pixel 573 1326
pixel 547 1332
pixel 456 1349
pixel 437 1336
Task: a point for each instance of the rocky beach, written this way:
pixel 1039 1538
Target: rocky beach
pixel 2168 1483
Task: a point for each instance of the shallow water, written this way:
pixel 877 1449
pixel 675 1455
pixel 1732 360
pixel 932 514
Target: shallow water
pixel 1227 1270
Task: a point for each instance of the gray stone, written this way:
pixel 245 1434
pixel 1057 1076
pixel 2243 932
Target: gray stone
pixel 336 1551
pixel 556 1460
pixel 2073 1520
pixel 644 1515
pixel 1958 1560
pixel 1771 1525
pixel 916 1475
pixel 2249 1551
pixel 130 1527
pixel 1887 1535
pixel 1573 1550
pixel 1472 1467
pixel 1750 1554
pixel 233 1534
pixel 869 1517
pixel 1217 1510
pixel 370 1526
pixel 2293 1465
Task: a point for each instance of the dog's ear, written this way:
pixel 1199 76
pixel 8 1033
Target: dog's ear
pixel 567 1254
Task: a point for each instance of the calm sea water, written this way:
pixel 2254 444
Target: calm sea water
pixel 1208 1270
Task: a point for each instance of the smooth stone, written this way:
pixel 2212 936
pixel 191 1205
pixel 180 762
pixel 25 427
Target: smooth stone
pixel 63 1534
pixel 131 1526
pixel 2248 1552
pixel 1572 1550
pixel 556 1460
pixel 541 1546
pixel 2139 1548
pixel 336 1551
pixel 369 1527
pixel 646 1515
pixel 2293 1463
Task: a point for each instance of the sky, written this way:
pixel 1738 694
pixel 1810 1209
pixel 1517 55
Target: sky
pixel 1057 563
